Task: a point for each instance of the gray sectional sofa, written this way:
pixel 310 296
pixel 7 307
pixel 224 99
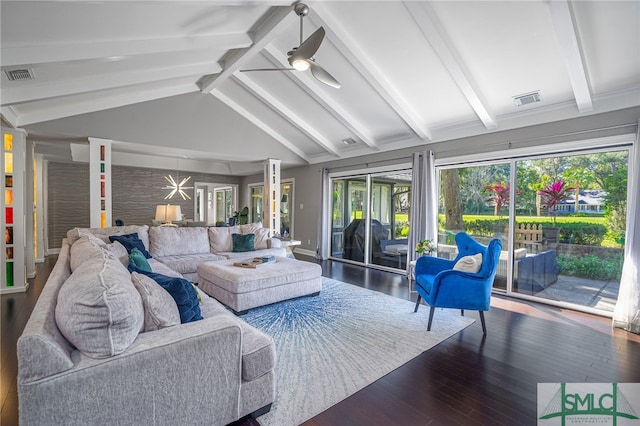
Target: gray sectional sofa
pixel 184 248
pixel 99 349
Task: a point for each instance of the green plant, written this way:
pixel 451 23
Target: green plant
pixel 425 247
pixel 243 216
pixel 608 268
pixel 401 229
pixel 552 195
pixel 583 234
pixel 499 196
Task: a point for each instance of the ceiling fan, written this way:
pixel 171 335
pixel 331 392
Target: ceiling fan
pixel 301 57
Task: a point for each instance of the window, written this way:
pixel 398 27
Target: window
pixel 370 218
pixel 287 195
pixel 564 220
pixel 224 204
pixel 255 209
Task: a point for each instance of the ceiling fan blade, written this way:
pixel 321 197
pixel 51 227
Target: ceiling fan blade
pixel 269 69
pixel 309 47
pixel 323 76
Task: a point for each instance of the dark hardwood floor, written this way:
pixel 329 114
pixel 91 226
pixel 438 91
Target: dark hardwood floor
pixel 468 379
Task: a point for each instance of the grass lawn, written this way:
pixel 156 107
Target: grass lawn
pixel 404 217
pixel 539 219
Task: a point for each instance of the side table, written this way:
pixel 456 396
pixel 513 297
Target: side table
pixel 289 245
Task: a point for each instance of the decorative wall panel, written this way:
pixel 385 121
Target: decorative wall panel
pixel 135 194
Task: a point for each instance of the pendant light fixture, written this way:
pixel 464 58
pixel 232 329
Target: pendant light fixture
pixel 177 185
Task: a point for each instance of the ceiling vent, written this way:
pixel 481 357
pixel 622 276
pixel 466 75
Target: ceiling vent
pixel 527 98
pixel 19 75
pixel 349 141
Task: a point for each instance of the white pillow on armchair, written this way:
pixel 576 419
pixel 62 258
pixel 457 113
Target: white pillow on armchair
pixel 469 264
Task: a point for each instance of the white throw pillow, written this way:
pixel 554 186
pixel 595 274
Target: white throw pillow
pixel 160 309
pixel 260 239
pixel 85 248
pixel 250 228
pixel 104 233
pixel 119 252
pixel 220 240
pixel 99 310
pixel 470 264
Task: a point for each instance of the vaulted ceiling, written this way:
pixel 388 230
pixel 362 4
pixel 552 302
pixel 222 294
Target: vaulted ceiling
pixel 162 78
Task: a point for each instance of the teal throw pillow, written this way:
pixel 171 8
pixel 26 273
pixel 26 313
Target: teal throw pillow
pixel 243 242
pixel 137 258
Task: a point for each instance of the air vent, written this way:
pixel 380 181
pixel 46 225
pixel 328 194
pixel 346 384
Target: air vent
pixel 349 141
pixel 17 75
pixel 527 98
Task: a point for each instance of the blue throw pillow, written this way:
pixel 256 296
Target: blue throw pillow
pixel 130 241
pixel 181 290
pixel 242 242
pixel 137 258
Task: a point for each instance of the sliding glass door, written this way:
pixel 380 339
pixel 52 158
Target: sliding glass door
pixel 370 218
pixel 475 199
pixel 569 228
pixel 348 227
pixel 389 226
pixel 561 220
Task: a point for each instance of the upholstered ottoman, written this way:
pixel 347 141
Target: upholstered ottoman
pixel 244 288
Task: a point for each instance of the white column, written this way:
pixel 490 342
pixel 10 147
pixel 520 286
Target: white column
pixel 100 183
pixel 45 207
pixel 29 211
pixel 39 217
pixel 271 197
pixel 12 204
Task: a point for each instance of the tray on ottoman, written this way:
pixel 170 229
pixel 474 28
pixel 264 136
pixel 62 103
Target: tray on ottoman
pixel 244 288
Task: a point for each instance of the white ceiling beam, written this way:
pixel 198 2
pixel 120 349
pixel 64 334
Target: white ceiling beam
pixel 287 113
pixel 341 39
pixel 89 102
pixel 274 24
pixel 428 22
pixel 49 53
pixel 310 86
pixel 10 115
pixel 568 39
pixel 260 124
pixel 27 92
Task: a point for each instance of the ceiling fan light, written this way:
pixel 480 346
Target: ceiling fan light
pixel 300 64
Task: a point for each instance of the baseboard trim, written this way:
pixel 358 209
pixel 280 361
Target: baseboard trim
pixel 304 252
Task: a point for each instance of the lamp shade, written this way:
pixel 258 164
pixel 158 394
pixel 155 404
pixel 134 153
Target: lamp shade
pixel 167 213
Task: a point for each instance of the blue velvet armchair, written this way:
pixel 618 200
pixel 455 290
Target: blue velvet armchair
pixel 443 287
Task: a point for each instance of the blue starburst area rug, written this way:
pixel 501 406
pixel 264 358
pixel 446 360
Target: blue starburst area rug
pixel 332 345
